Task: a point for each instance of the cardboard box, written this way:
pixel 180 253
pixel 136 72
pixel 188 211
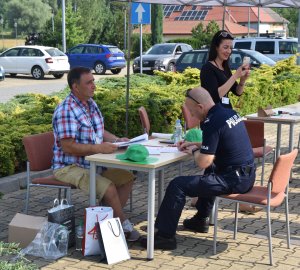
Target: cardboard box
pixel 23 228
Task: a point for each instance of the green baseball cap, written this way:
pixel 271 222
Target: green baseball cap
pixel 193 135
pixel 137 153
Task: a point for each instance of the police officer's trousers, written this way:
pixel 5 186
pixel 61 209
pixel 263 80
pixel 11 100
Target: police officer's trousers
pixel 205 187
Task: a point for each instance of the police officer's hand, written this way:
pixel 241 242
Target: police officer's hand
pixel 183 146
pixel 107 147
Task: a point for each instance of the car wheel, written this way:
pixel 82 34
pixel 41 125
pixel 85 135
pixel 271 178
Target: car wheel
pixel 100 68
pixel 58 75
pixel 37 73
pixel 116 71
pixel 13 74
pixel 171 67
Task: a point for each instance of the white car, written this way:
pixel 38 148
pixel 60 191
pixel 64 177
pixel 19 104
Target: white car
pixel 35 60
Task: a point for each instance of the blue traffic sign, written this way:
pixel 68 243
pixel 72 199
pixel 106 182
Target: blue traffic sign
pixel 140 13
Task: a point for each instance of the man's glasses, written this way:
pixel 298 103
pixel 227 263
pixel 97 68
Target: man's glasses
pixel 225 34
pixel 187 94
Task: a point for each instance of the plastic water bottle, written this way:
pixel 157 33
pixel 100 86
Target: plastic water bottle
pixel 79 235
pixel 177 131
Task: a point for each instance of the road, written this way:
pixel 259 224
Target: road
pixel 26 84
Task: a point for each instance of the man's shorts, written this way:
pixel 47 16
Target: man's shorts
pixel 80 178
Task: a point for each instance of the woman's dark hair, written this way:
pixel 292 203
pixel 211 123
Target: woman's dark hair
pixel 215 42
pixel 75 73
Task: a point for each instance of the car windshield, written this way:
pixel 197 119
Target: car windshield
pixel 161 49
pixel 55 52
pixel 262 58
pixel 114 50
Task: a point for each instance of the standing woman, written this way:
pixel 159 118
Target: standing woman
pixel 216 76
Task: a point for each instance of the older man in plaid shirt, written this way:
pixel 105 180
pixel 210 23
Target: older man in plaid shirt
pixel 78 128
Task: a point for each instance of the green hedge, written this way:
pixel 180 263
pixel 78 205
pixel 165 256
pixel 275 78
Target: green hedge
pixel 162 95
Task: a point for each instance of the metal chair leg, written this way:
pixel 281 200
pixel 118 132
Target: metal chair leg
pixel 215 225
pixel 236 220
pixel 269 235
pixel 27 199
pixel 288 233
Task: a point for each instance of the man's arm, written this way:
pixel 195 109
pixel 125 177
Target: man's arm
pixel 203 160
pixel 109 137
pixel 69 146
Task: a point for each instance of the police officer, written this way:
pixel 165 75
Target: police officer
pixel 225 154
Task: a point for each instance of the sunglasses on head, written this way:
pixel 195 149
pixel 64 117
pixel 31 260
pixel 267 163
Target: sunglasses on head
pixel 225 34
pixel 187 94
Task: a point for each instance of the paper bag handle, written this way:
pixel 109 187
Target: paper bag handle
pixel 112 229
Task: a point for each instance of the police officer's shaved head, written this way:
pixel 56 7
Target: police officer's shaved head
pixel 202 96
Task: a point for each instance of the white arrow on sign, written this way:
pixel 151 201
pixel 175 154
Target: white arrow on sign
pixel 140 10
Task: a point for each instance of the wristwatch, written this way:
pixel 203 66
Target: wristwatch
pixel 194 150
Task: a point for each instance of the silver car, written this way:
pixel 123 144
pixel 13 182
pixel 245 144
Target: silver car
pixel 161 57
pixel 2 73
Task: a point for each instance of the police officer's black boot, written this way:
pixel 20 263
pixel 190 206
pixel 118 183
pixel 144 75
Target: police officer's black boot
pixel 197 224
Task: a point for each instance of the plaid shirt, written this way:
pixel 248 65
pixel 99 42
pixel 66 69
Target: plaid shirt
pixel 72 120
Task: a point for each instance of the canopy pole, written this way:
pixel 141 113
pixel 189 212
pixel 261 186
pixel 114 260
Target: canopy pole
pixel 258 22
pixel 128 66
pixel 298 57
pixel 224 14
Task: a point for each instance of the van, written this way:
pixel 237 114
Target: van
pixel 275 48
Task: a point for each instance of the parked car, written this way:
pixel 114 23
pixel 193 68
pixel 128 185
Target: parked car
pixel 275 48
pixel 35 60
pixel 161 57
pixel 197 58
pixel 2 73
pixel 98 57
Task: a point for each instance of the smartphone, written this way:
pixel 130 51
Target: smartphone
pixel 246 60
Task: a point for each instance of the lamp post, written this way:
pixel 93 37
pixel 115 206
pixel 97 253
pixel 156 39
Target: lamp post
pixel 16 28
pixel 2 23
pixel 52 20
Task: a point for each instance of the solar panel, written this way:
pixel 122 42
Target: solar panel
pixel 186 15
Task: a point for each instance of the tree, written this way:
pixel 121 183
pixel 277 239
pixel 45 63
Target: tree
pixel 157 23
pixel 202 36
pixel 27 14
pixel 291 14
pixel 74 31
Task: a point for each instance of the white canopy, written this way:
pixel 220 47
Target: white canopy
pixel 237 3
pixel 224 3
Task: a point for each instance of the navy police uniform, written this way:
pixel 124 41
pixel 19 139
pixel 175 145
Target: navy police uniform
pixel 233 171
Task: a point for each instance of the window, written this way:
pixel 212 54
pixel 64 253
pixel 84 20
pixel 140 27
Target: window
pixel 113 49
pixel 76 50
pixel 287 47
pixel 31 52
pixel 265 47
pixel 236 59
pixel 243 45
pixel 55 52
pixel 201 57
pixel 187 58
pixel 12 52
pixel 91 50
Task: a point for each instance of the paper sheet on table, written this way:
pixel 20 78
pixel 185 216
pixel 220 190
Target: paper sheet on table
pixel 154 150
pixel 134 140
pixel 169 149
pixel 167 136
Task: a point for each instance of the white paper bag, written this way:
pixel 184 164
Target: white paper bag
pixel 93 215
pixel 114 241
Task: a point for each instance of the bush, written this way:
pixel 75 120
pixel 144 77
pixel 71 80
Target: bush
pixel 162 96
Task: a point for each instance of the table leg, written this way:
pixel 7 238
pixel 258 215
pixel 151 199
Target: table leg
pixel 161 184
pixel 291 139
pixel 92 183
pixel 151 205
pixel 277 153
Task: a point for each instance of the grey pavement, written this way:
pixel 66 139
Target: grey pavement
pixel 249 251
